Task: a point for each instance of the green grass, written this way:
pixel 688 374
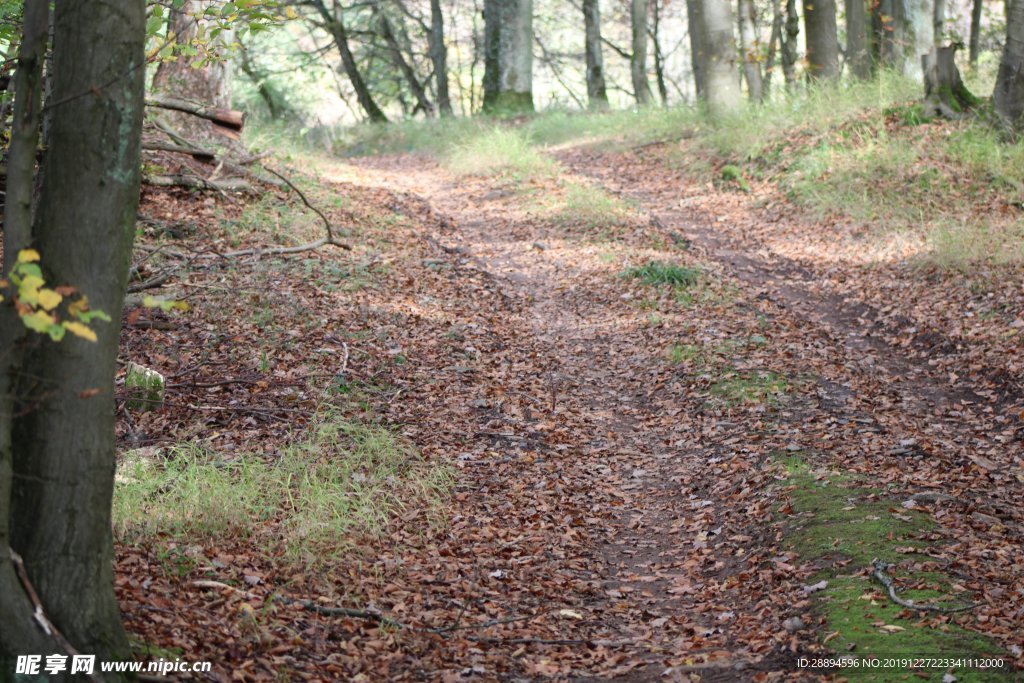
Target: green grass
pixel 342 482
pixel 497 151
pixel 843 527
pixel 591 207
pixel 661 273
pixel 746 387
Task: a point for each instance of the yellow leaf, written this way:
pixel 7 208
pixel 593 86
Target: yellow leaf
pixel 38 321
pixel 80 306
pixel 80 330
pixel 49 299
pixel 28 256
pixel 291 13
pixel 28 288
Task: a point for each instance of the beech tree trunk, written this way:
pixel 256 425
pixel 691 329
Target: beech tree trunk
pixel 439 58
pixel 945 92
pixel 597 92
pixel 975 38
pixel 858 51
pixel 659 56
pixel 774 40
pixel 62 429
pixel 751 51
pixel 822 39
pixel 698 47
pixel 508 56
pixel 638 59
pixel 790 45
pixel 722 75
pixel 1009 93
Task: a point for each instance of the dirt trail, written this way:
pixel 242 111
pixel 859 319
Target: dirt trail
pixel 663 555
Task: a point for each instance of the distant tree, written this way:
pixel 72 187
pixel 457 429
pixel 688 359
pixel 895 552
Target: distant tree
pixel 790 44
pixel 1009 92
pixel 751 48
pixel 397 53
pixel 508 56
pixel 975 35
pixel 858 50
pixel 720 68
pixel 439 58
pixel 638 10
pixel 597 92
pixel 822 39
pixel 698 47
pixel 56 397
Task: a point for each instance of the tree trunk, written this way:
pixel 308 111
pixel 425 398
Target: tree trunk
pixel 773 43
pixel 858 51
pixel 975 39
pixel 723 88
pixel 1009 93
pixel 439 58
pixel 63 435
pixel 187 77
pixel 398 59
pixel 751 51
pixel 698 47
pixel 336 25
pixel 904 30
pixel 597 92
pixel 822 40
pixel 945 93
pixel 659 57
pixel 790 45
pixel 19 633
pixel 508 56
pixel 638 59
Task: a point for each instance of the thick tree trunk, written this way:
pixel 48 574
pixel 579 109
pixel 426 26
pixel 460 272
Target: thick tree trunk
pixel 439 58
pixel 723 87
pixel 597 92
pixel 945 92
pixel 858 50
pixel 508 56
pixel 698 47
pixel 790 45
pixel 822 39
pixel 904 30
pixel 751 48
pixel 64 436
pixel 1009 93
pixel 638 59
pixel 975 39
pixel 402 64
pixel 19 633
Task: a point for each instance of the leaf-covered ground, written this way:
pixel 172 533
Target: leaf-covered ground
pixel 678 436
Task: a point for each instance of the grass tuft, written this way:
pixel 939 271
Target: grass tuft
pixel 660 273
pixel 499 151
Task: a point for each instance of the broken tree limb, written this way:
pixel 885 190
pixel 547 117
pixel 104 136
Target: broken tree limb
pixel 196 153
pixel 879 575
pixel 228 118
pixel 197 183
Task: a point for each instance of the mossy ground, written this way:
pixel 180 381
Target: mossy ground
pixel 842 527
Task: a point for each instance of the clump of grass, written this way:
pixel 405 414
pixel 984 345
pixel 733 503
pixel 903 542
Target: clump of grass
pixel 733 174
pixel 737 388
pixel 964 244
pixel 499 150
pixel 591 207
pixel 661 273
pixel 343 481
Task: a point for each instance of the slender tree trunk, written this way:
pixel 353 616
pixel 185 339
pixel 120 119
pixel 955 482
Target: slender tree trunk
pixel 723 87
pixel 1009 93
pixel 63 438
pixel 790 45
pixel 858 52
pixel 19 633
pixel 773 44
pixel 597 92
pixel 938 21
pixel 439 58
pixel 822 40
pixel 698 47
pixel 659 57
pixel 398 59
pixel 336 26
pixel 751 48
pixel 508 56
pixel 638 61
pixel 975 39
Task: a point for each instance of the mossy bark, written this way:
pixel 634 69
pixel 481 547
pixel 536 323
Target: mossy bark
pixel 508 56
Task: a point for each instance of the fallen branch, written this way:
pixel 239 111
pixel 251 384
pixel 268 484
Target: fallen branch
pixel 879 575
pixel 369 615
pixel 204 155
pixel 197 183
pixel 229 118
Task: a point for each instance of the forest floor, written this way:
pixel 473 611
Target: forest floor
pixel 670 426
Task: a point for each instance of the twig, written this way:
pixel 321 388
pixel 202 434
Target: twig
pixel 327 224
pixel 369 615
pixel 879 575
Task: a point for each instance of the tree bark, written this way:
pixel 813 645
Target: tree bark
pixel 439 58
pixel 63 437
pixel 822 39
pixel 597 92
pixel 945 92
pixel 774 41
pixel 751 48
pixel 508 56
pixel 638 59
pixel 858 51
pixel 790 43
pixel 723 88
pixel 698 47
pixel 1009 93
pixel 975 39
pixel 659 57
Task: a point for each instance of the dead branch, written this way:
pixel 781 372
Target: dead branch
pixel 369 615
pixel 203 155
pixel 879 575
pixel 197 182
pixel 229 118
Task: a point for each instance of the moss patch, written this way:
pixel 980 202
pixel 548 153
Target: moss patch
pixel 842 527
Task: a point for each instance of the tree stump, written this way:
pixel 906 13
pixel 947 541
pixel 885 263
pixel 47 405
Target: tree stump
pixel 945 94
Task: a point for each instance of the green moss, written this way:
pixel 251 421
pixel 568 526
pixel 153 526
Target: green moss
pixel 842 526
